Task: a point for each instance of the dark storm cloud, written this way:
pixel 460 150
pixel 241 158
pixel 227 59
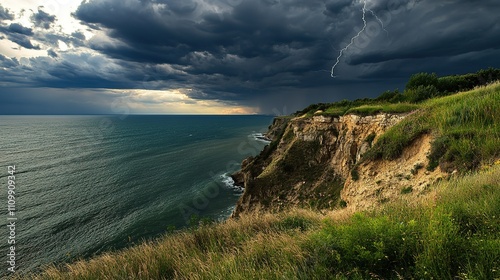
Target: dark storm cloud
pixel 78 35
pixel 52 53
pixel 246 50
pixel 6 62
pixel 472 27
pixel 43 19
pixel 5 14
pixel 258 51
pixel 67 71
pixel 20 35
pixel 22 40
pixel 185 7
pixel 253 41
pixel 52 39
pixel 151 34
pixel 334 8
pixel 19 29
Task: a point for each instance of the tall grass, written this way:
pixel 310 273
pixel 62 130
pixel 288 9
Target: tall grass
pixel 454 232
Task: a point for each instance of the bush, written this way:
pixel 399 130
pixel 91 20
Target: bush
pixel 342 203
pixel 366 246
pixel 420 93
pixel 390 96
pixel 422 80
pixel 489 75
pixel 438 148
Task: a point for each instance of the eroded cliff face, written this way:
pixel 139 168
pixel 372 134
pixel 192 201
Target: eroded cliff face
pixel 310 164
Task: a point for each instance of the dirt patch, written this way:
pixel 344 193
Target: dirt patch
pixel 381 181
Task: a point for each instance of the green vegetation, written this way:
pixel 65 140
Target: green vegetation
pixel 366 110
pixel 420 87
pixel 452 233
pixel 407 190
pixel 392 143
pixel 466 127
pixel 369 139
pixel 363 107
pixel 455 236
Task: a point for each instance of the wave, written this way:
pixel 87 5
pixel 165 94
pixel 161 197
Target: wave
pixel 261 137
pixel 229 183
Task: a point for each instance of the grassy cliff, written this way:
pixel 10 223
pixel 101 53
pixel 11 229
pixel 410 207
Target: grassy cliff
pixel 451 230
pixel 387 148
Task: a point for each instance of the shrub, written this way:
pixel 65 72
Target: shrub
pixel 366 246
pixel 422 80
pixel 342 203
pixel 438 148
pixel 390 96
pixel 420 93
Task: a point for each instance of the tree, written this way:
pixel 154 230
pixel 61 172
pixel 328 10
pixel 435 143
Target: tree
pixel 422 79
pixel 420 93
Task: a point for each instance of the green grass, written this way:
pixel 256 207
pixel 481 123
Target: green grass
pixel 452 233
pixel 366 110
pixel 419 88
pixel 466 127
pixel 392 143
pixel 336 111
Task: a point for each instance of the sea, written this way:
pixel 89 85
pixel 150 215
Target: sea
pixel 84 185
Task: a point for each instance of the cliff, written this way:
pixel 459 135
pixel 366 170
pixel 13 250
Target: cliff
pixel 359 160
pixel 317 161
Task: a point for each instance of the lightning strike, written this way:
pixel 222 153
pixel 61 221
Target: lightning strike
pixel 379 20
pixel 341 53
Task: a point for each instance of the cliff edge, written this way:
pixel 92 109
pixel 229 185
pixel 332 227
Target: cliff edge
pixel 363 154
pixel 316 161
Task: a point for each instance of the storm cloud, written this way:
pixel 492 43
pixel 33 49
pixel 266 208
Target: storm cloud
pixel 263 53
pixel 5 14
pixel 43 19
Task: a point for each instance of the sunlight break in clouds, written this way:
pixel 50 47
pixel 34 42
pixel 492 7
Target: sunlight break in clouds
pixel 176 102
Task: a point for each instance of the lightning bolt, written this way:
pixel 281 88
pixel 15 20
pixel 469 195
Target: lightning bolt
pixel 379 20
pixel 341 53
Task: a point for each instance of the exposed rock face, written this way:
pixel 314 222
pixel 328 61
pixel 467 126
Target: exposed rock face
pixel 310 160
pixel 384 180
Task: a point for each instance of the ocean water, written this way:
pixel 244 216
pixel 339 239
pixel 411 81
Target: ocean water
pixel 89 184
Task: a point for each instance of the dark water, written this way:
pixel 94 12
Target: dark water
pixel 87 184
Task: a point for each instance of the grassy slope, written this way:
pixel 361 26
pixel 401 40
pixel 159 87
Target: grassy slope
pixel 466 127
pixel 455 231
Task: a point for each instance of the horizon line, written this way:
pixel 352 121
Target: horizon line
pixel 140 114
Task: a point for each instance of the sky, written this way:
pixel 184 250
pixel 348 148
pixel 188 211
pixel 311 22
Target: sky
pixel 230 56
